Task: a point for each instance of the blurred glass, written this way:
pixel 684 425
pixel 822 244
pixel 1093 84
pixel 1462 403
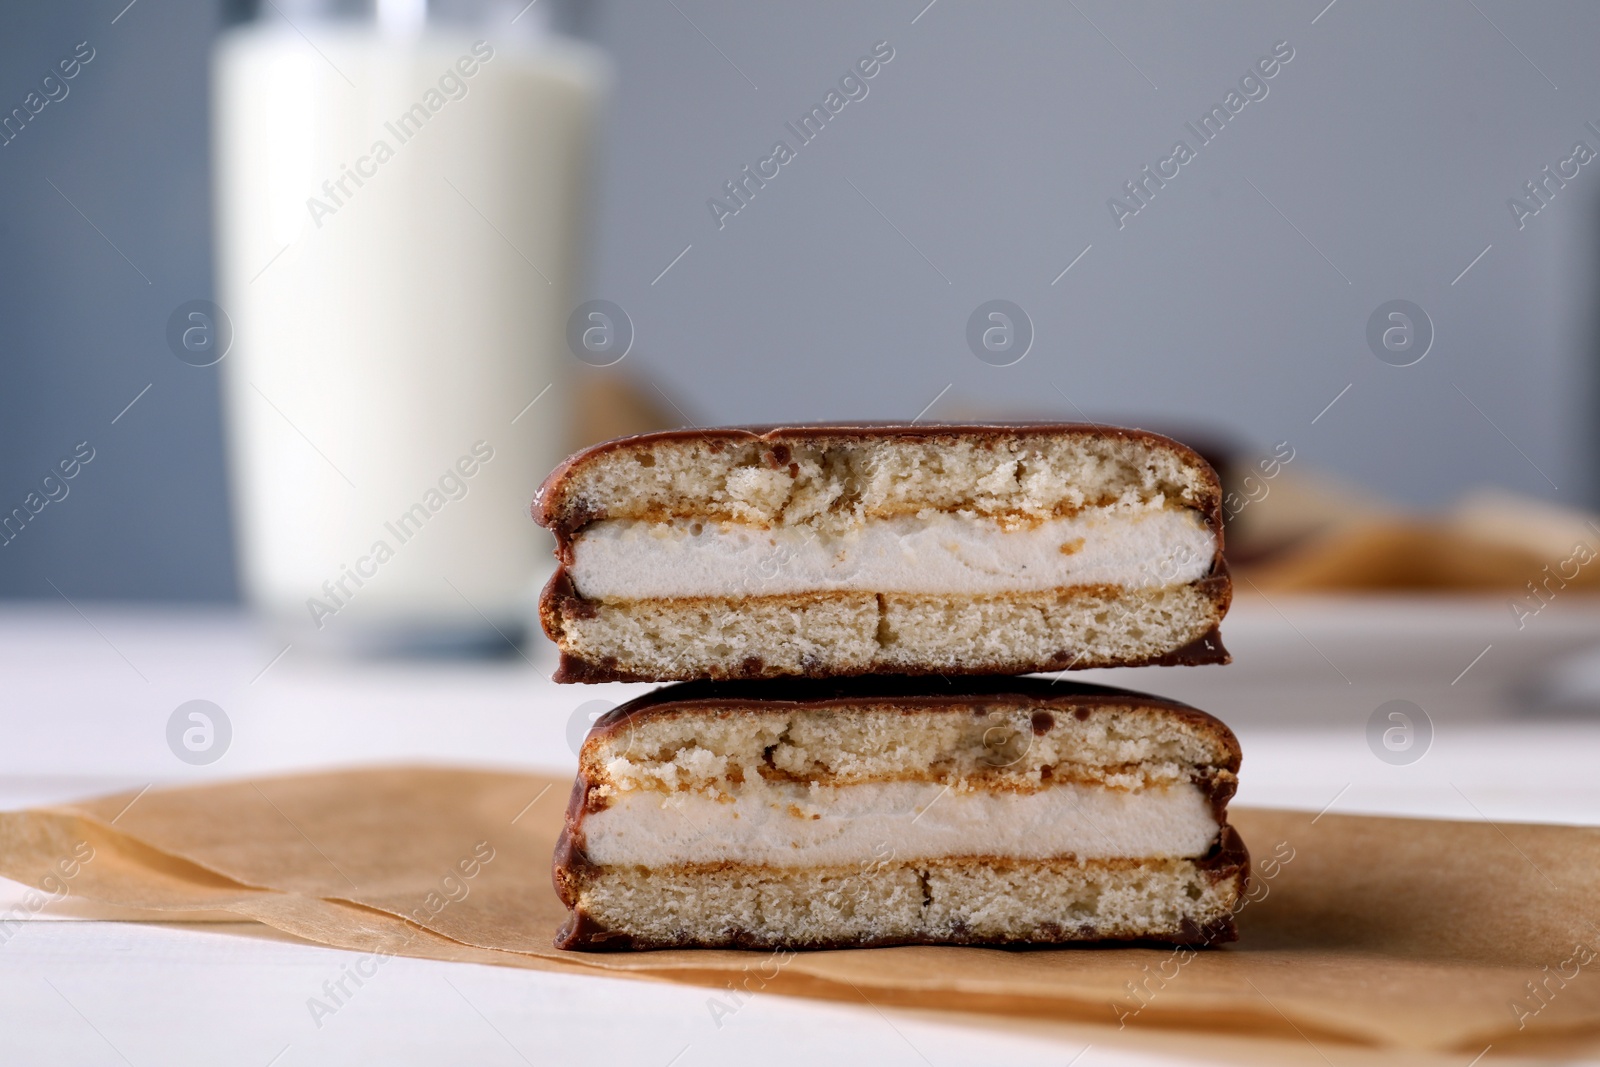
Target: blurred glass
pixel 400 192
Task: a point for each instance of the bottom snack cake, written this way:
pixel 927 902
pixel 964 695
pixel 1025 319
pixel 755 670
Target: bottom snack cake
pixel 900 811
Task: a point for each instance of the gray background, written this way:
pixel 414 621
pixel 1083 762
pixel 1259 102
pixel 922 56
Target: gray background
pixel 981 160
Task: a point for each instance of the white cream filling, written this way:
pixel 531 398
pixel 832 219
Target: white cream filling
pixel 795 825
pixel 939 553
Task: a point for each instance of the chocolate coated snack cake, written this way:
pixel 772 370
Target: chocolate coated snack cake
pixel 831 551
pixel 818 814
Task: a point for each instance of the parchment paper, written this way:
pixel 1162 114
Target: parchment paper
pixel 1397 932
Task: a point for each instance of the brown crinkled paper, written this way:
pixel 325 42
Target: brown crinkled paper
pixel 1393 932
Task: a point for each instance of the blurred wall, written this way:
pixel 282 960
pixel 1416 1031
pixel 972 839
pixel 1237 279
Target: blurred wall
pixel 104 230
pixel 980 165
pixel 977 166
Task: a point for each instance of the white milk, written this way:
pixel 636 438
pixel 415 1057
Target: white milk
pixel 398 221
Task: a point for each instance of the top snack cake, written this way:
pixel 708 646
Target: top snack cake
pixel 829 551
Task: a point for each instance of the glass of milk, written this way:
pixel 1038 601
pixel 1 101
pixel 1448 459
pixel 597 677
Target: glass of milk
pixel 399 206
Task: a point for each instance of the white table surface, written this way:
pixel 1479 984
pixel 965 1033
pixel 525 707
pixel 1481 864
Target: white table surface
pixel 87 692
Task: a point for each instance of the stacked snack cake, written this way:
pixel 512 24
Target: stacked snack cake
pixel 842 765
